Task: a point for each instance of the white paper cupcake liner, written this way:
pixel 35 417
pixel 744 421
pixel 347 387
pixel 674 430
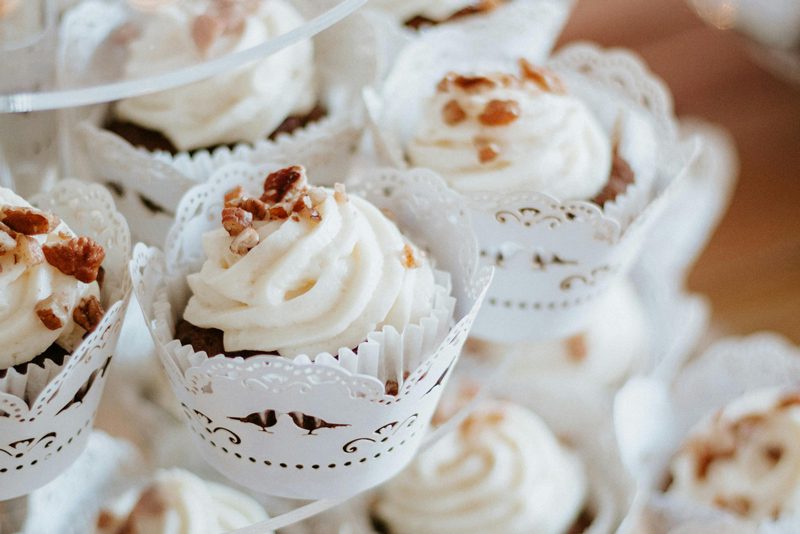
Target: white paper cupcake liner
pixel 653 417
pixel 46 413
pixel 366 436
pixel 345 59
pixel 553 258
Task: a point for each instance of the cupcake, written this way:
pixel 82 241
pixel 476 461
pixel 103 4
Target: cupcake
pixel 272 95
pixel 742 459
pixel 564 167
pixel 297 269
pixel 613 346
pixel 50 286
pixel 64 293
pixel 308 332
pixel 502 470
pixel 178 501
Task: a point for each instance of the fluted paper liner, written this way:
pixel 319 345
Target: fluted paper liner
pixel 653 417
pixel 152 183
pixel 46 413
pixel 553 257
pixel 364 436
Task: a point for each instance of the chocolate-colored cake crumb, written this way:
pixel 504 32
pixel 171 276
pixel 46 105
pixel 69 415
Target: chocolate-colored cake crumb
pixel 208 340
pixel 154 140
pixel 619 179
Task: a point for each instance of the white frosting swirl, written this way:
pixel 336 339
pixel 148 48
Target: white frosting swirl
pixel 243 105
pixel 502 471
pixel 437 10
pixel 608 351
pixel 311 287
pixel 555 145
pixel 178 502
pixel 23 335
pixel 746 458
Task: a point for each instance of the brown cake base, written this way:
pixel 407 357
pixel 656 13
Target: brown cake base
pixel 154 140
pixel 619 179
pixel 209 340
pixel 481 6
pixel 54 353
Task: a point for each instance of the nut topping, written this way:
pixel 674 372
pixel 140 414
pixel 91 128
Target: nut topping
pixel 545 79
pixel 409 260
pixel 28 251
pixel 236 220
pixel 470 84
pixel 52 313
pixel 576 348
pixel 28 221
pixel 453 113
pixel 256 207
pixel 499 112
pixel 88 313
pixel 339 193
pixel 234 196
pixel 79 257
pixel 244 241
pixel 279 183
pixel 487 150
pixel 8 241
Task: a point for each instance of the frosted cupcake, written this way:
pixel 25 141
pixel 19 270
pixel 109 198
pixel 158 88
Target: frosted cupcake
pixel 262 99
pixel 297 269
pixel 613 345
pixel 176 501
pixel 744 458
pixel 501 470
pixel 50 286
pixel 526 131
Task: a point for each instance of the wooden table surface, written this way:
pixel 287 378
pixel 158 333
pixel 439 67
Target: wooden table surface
pixel 751 268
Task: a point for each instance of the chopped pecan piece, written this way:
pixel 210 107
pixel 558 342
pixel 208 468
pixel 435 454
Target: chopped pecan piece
pixel 28 221
pixel 8 241
pixel 256 207
pixel 51 312
pixel 339 193
pixel 409 260
pixel 278 213
pixel 545 79
pixel 470 84
pixel 576 348
pixel 453 113
pixel 279 183
pixel 233 196
pixel 236 220
pixel 79 257
pixel 487 150
pixel 499 112
pixel 88 313
pixel 245 241
pixel 28 251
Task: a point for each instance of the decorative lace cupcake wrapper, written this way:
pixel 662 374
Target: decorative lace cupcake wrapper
pixel 46 413
pixel 322 428
pixel 554 259
pixel 654 415
pixel 150 184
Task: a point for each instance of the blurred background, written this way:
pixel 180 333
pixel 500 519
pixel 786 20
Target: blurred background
pixel 751 268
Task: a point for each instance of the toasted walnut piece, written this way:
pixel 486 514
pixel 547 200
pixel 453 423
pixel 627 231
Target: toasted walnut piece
pixel 278 213
pixel 339 193
pixel 88 313
pixel 233 196
pixel 79 257
pixel 28 251
pixel 279 183
pixel 487 150
pixel 256 207
pixel 576 347
pixel 51 312
pixel 28 221
pixel 235 220
pixel 305 207
pixel 453 113
pixel 205 30
pixel 409 260
pixel 245 241
pixel 544 78
pixel 499 112
pixel 470 84
pixel 7 242
pixel 708 453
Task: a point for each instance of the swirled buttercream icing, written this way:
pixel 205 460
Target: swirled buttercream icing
pixel 304 270
pixel 245 104
pixel 48 292
pixel 745 458
pixel 178 502
pixel 503 132
pixel 501 471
